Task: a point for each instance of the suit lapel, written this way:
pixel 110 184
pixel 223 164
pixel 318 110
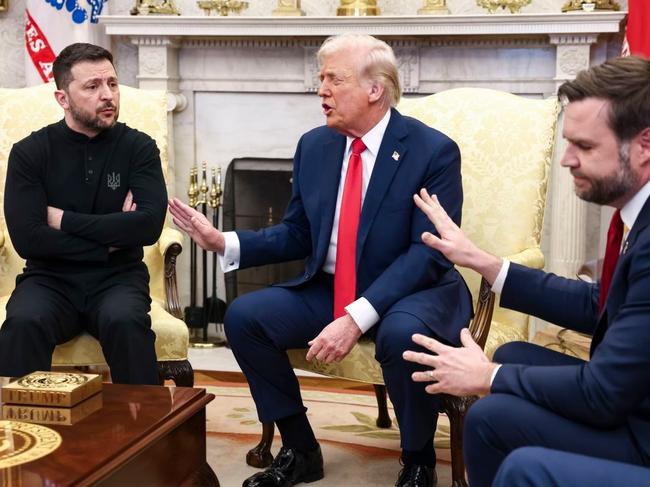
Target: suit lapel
pixel 328 190
pixel 382 175
pixel 642 221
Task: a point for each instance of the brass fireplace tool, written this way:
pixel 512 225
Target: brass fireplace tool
pixel 212 308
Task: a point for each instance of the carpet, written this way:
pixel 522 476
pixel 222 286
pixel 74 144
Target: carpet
pixel 355 450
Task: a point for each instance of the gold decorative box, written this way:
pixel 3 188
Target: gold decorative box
pixel 52 415
pixel 55 389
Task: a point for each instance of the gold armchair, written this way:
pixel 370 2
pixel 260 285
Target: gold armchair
pixel 25 110
pixel 506 142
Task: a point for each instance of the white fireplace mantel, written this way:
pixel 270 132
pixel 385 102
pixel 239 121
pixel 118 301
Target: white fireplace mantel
pixel 443 25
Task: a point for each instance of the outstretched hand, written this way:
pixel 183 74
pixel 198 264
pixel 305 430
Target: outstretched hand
pixel 453 243
pixel 197 226
pixel 458 371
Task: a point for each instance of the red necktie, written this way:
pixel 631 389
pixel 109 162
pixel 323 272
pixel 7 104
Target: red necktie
pixel 345 272
pixel 612 251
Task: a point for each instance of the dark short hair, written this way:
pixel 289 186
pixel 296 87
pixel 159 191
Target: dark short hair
pixel 74 54
pixel 625 83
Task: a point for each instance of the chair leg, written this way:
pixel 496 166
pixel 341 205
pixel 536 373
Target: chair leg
pixel 180 371
pixel 456 408
pixel 260 456
pixel 383 420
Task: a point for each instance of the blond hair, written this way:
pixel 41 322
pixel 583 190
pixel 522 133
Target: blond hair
pixel 378 65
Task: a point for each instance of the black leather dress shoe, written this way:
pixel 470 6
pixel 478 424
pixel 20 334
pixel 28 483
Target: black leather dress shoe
pixel 417 476
pixel 290 467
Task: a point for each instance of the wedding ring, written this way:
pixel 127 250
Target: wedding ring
pixel 431 374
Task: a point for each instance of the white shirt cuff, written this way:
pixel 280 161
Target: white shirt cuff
pixel 494 374
pixel 363 314
pixel 497 285
pixel 229 261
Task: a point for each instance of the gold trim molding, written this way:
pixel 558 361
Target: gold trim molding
pixel 357 8
pixel 597 5
pixel 288 8
pixel 513 5
pixel 434 7
pixel 154 7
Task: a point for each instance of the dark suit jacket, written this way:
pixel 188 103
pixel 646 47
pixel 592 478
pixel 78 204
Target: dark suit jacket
pixel 613 388
pixel 395 270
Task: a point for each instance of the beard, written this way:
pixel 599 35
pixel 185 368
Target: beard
pixel 607 189
pixel 93 121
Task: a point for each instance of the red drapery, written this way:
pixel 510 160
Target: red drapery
pixel 638 29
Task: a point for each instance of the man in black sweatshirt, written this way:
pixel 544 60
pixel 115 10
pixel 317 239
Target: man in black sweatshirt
pixel 82 197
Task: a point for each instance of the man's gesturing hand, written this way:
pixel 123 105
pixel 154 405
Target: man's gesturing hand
pixel 335 341
pixel 197 226
pixel 453 243
pixel 458 371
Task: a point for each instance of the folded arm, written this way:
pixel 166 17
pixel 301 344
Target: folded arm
pixel 26 214
pixel 128 228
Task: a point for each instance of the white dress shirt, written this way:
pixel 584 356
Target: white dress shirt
pixel 361 311
pixel 629 214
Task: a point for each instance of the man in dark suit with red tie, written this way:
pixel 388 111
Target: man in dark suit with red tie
pixel 352 217
pixel 538 397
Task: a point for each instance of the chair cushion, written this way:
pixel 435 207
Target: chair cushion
pixel 359 364
pixel 172 340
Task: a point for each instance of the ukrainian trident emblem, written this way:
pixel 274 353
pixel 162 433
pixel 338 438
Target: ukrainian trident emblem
pixel 113 181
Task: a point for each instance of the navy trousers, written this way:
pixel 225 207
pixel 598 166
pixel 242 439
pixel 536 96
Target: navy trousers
pixel 48 308
pixel 541 467
pixel 262 325
pixel 498 424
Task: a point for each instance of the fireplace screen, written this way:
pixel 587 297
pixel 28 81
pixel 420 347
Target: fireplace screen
pixel 256 195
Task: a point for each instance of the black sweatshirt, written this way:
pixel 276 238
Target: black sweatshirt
pixel 88 178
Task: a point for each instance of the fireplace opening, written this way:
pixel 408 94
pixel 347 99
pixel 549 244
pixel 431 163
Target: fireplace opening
pixel 256 194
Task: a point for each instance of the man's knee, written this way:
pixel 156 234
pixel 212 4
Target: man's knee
pixel 483 417
pixel 394 335
pixel 521 467
pixel 510 353
pixel 25 325
pixel 237 319
pixel 124 323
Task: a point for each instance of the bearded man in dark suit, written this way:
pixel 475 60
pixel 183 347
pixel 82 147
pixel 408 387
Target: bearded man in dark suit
pixel 538 397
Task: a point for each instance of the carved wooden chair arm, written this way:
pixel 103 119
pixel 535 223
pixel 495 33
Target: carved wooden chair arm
pixel 480 326
pixel 170 246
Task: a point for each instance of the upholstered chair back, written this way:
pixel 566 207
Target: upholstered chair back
pixel 25 110
pixel 506 143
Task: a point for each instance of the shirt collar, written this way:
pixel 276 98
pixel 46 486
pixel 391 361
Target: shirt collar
pixel 373 138
pixel 632 208
pixel 79 137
